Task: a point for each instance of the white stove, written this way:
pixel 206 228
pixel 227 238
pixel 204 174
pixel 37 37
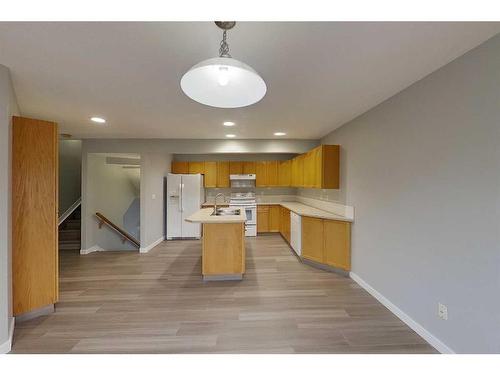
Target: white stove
pixel 247 202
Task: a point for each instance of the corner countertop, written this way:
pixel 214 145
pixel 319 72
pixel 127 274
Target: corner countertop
pixel 300 209
pixel 205 216
pixel 305 210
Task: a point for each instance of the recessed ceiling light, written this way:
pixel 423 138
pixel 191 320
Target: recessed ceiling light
pixel 228 123
pixel 99 120
pixel 279 134
pixel 230 135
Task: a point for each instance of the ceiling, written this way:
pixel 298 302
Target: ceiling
pixel 319 74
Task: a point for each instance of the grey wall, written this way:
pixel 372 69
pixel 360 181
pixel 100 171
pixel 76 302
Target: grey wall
pixel 423 172
pixel 70 166
pixel 8 108
pixel 154 167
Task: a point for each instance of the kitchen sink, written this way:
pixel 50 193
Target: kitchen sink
pixel 226 212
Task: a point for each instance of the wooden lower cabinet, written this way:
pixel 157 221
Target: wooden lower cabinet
pixel 337 239
pixel 327 241
pixel 274 218
pixel 223 249
pixel 312 239
pixel 285 223
pixel 268 218
pixel 262 219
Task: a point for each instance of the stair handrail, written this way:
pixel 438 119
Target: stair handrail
pixel 70 210
pixel 125 235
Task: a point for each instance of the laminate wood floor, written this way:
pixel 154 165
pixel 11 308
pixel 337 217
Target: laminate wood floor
pixel 125 302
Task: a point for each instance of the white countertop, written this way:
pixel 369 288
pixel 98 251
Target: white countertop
pixel 305 210
pixel 300 209
pixel 205 216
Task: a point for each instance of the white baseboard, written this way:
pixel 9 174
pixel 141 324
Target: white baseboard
pixel 6 346
pixel 92 249
pixel 146 249
pixel 421 331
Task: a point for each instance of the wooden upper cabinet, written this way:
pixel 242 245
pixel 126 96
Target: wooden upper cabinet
pixel 235 167
pixel 312 239
pixel 223 174
pixel 298 171
pixel 180 167
pixel 196 167
pixel 284 173
pixel 337 244
pixel 272 173
pixel 318 168
pixel 327 167
pixel 210 180
pixel 308 179
pixel 249 167
pixel 261 174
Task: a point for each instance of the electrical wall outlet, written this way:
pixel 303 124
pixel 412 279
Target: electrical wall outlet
pixel 442 311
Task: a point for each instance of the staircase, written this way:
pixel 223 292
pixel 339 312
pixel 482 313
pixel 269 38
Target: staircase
pixel 70 232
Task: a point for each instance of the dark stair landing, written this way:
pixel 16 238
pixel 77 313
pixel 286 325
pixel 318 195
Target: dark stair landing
pixel 70 233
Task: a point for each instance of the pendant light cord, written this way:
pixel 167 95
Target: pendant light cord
pixel 224 47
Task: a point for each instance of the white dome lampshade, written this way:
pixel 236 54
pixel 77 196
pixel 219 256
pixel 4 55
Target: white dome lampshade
pixel 223 82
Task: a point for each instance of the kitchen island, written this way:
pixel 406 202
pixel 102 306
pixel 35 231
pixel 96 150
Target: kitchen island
pixel 223 243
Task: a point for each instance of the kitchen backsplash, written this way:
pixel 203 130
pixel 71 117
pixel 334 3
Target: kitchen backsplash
pixel 329 195
pixel 322 199
pixel 262 194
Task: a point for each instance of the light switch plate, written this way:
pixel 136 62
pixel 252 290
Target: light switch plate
pixel 153 196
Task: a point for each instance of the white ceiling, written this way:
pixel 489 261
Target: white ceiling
pixel 319 75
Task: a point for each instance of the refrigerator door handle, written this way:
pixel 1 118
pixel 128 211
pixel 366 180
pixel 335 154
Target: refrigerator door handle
pixel 180 197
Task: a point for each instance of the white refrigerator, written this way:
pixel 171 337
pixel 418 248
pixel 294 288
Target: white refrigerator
pixel 185 195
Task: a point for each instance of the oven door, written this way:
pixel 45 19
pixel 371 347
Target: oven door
pixel 251 213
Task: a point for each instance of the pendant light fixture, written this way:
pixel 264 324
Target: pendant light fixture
pixel 222 81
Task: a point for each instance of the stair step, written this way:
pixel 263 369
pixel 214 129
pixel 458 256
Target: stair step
pixel 69 246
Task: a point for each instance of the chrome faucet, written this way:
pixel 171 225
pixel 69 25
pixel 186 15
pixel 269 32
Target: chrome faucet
pixel 215 202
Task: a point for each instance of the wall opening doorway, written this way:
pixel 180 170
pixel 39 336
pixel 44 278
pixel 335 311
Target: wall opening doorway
pixel 111 204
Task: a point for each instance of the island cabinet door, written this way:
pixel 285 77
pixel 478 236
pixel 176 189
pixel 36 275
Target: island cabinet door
pixel 223 249
pixel 337 243
pixel 312 239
